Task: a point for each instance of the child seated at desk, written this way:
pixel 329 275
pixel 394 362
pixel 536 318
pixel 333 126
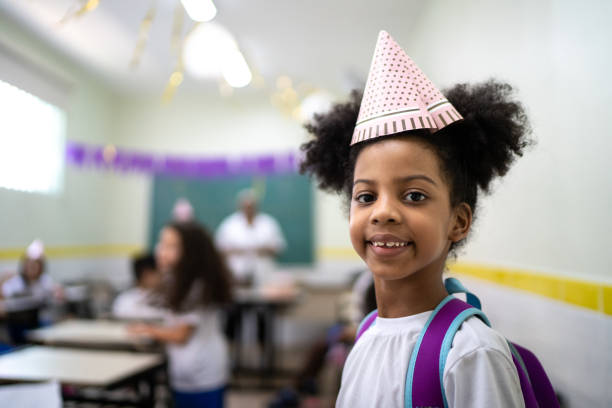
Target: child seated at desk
pixel 27 292
pixel 135 303
pixel 31 279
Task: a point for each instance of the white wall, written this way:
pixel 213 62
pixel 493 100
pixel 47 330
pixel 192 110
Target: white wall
pixel 205 124
pixel 551 213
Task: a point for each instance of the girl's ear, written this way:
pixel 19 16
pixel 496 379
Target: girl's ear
pixel 462 221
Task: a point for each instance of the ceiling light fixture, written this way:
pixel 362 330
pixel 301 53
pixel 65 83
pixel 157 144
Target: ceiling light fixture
pixel 200 10
pixel 210 51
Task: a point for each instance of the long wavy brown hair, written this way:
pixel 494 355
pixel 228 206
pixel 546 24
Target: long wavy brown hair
pixel 200 264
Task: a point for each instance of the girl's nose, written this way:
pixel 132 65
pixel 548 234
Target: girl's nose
pixel 385 211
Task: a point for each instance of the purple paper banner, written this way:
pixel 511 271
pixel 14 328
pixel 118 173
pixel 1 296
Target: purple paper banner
pixel 117 159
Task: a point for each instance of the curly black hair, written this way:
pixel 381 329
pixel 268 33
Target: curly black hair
pixel 494 132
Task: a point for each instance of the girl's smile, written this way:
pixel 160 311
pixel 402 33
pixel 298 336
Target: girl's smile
pixel 388 244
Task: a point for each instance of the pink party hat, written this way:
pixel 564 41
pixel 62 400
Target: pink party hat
pixel 399 97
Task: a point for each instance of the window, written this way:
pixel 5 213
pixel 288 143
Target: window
pixel 32 134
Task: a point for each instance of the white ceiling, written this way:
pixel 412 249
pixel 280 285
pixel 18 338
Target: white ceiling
pixel 327 44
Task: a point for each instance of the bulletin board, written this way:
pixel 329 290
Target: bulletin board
pixel 287 197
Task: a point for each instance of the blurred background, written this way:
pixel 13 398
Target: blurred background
pixel 127 106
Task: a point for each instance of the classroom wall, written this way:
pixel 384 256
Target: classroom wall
pixel 79 224
pixel 551 213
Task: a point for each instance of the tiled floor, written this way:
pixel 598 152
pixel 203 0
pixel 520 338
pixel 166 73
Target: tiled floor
pixel 248 399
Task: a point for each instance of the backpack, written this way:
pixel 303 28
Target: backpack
pixel 424 385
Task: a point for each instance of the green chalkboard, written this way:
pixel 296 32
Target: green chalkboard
pixel 287 197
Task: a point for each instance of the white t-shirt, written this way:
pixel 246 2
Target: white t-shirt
pixel 235 233
pixel 479 371
pixel 134 303
pixel 16 286
pixel 202 362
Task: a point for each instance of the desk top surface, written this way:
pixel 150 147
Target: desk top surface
pixel 92 332
pixel 74 366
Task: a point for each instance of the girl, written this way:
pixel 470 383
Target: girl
pixel 412 169
pixel 196 283
pixel 30 294
pixel 32 279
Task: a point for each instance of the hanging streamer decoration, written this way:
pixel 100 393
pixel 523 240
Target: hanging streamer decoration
pixel 285 96
pixel 110 157
pixel 79 9
pixel 176 45
pixel 143 35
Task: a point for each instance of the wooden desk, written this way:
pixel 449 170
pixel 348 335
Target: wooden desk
pixel 96 334
pixel 82 368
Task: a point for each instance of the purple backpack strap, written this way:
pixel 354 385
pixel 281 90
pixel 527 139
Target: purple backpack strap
pixel 536 387
pixel 366 323
pixel 424 377
pixel 424 389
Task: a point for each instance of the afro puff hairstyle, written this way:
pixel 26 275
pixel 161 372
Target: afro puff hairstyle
pixel 472 152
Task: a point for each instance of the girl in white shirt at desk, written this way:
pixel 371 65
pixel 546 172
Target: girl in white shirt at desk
pixel 31 279
pixel 196 283
pixel 29 292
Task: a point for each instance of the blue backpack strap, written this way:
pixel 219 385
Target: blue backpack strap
pixel 424 378
pixel 519 359
pixel 453 285
pixel 450 335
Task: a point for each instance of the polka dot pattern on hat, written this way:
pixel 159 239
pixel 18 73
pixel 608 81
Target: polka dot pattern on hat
pixel 398 96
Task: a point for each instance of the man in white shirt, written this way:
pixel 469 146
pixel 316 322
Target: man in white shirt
pixel 250 240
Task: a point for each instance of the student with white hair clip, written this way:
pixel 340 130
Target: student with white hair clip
pixel 25 293
pixel 32 280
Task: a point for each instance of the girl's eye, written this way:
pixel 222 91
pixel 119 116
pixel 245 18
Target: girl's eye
pixel 415 196
pixel 365 198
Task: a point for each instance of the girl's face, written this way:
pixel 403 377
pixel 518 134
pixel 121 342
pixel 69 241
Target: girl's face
pixel 401 220
pixel 32 269
pixel 168 250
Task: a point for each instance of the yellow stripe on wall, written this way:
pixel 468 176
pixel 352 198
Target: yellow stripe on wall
pixel 81 251
pixel 591 295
